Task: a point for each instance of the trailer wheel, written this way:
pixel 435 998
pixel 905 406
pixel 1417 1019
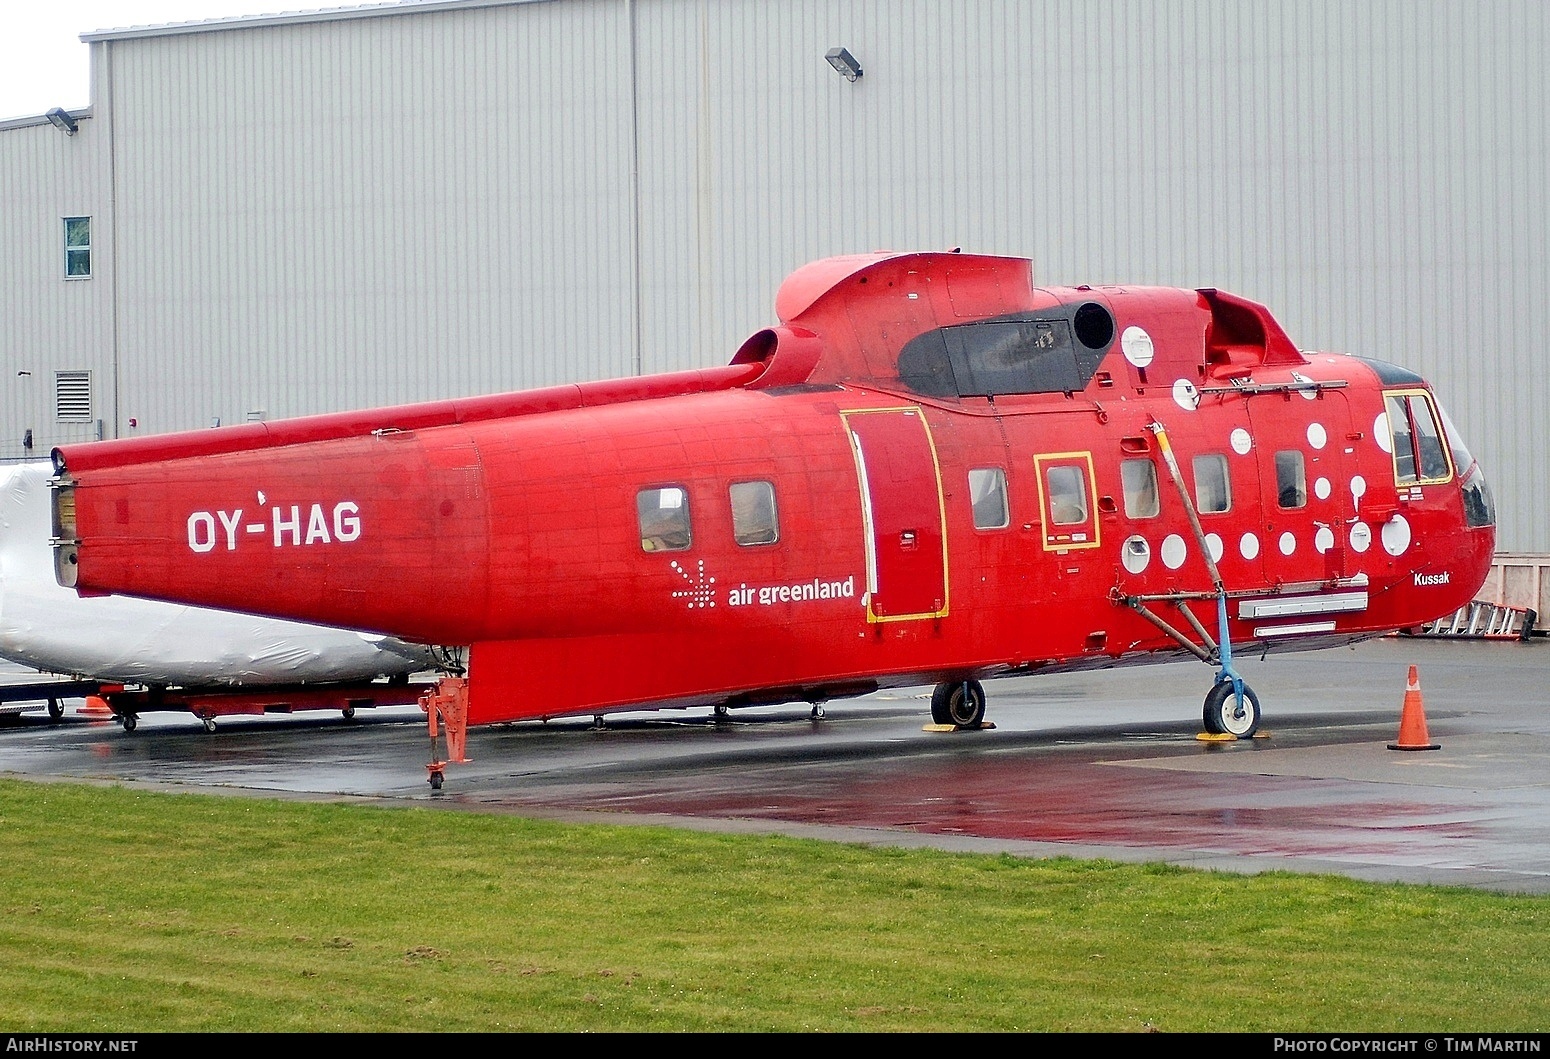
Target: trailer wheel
pixel 349 713
pixel 209 723
pixel 56 709
pixel 129 721
pixel 436 781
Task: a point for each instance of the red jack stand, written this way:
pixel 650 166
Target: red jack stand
pixel 447 705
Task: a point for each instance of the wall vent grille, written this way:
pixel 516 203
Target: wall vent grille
pixel 72 396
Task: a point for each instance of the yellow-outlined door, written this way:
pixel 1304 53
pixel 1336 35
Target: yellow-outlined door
pixel 1068 500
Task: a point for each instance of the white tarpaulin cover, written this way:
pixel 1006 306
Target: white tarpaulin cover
pixel 135 641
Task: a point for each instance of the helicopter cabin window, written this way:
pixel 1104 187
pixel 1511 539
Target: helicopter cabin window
pixel 1140 480
pixel 987 495
pixel 1067 495
pixel 664 519
pixel 1291 480
pixel 1213 489
pixel 753 513
pixel 1419 455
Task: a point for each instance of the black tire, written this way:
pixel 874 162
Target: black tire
pixel 349 713
pixel 130 722
pixel 209 723
pixel 1222 717
pixel 960 703
pixel 56 709
pixel 436 780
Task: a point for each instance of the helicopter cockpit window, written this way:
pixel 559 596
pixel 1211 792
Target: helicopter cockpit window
pixel 987 495
pixel 1291 479
pixel 1428 440
pixel 1420 457
pixel 664 519
pixel 1140 480
pixel 1479 504
pixel 1213 489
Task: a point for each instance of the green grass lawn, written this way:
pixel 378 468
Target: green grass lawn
pixel 135 912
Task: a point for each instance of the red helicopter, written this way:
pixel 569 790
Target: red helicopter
pixel 931 472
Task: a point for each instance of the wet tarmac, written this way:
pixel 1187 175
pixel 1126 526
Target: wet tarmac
pixel 1088 765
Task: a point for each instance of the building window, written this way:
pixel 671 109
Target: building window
pixel 987 495
pixel 664 519
pixel 1213 489
pixel 1140 480
pixel 77 248
pixel 72 396
pixel 753 513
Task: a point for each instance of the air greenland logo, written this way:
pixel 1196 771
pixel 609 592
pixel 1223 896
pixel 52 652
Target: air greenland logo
pixel 281 527
pixel 1430 580
pixel 768 595
pixel 701 591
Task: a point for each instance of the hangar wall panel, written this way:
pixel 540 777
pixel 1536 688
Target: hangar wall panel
pixel 321 216
pixel 49 323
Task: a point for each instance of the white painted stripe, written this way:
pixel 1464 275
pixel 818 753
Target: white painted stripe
pixel 1264 632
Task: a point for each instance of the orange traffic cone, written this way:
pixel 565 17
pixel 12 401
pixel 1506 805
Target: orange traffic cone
pixel 95 706
pixel 1412 720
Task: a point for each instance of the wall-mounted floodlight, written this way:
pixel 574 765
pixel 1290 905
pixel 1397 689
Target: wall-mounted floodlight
pixel 62 121
pixel 844 62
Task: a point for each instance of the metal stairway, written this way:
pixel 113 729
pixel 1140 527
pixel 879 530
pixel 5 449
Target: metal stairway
pixel 1482 621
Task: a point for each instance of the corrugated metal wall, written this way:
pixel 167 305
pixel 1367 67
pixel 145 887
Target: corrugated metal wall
pixel 341 213
pixel 321 216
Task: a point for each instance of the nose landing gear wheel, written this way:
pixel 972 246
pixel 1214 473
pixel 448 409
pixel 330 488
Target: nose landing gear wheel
pixel 1224 716
pixel 960 703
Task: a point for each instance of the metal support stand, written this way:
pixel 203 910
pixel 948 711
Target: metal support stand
pixel 446 706
pixel 1224 639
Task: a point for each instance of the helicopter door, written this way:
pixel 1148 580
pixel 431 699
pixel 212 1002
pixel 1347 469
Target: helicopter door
pixel 1068 501
pixel 904 518
pixel 1312 493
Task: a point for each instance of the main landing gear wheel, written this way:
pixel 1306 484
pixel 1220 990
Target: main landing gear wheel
pixel 1224 716
pixel 129 721
pixel 960 703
